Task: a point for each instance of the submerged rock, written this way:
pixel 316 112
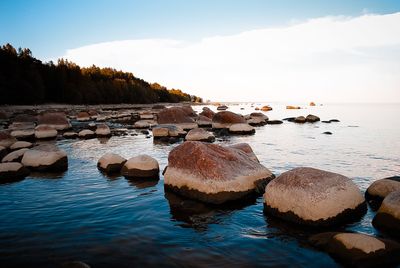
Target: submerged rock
pixel 379 189
pixel 111 163
pixel 387 219
pixel 141 166
pixel 45 157
pixel 313 197
pixel 358 250
pixel 214 173
pixel 226 119
pixel 199 134
pixel 12 170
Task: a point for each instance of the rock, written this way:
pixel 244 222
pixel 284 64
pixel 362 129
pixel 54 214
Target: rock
pixel 358 250
pixel 86 134
pixel 257 109
pixel 222 108
pixel 83 116
pixel 70 135
pixel 146 115
pixel 334 121
pixel 312 103
pixel 158 107
pixel 313 197
pixel 290 119
pixel 45 132
pixel 387 219
pixel 199 134
pixel 145 132
pixel 290 107
pixel 379 189
pixel 141 166
pixel 23 134
pixel 213 173
pixel 244 147
pixel 257 119
pixel 103 130
pixel 12 171
pixel 93 114
pixel 326 122
pixel 111 163
pixel 266 108
pixel 207 112
pixel 26 117
pixel 21 145
pixel 21 125
pixel 167 131
pixel 15 156
pixel 203 121
pixel 226 119
pixel 6 140
pixel 259 115
pixel 327 133
pixel 312 118
pixel 274 122
pixel 242 129
pixel 92 126
pixel 300 119
pixel 55 120
pixel 46 157
pixel 180 116
pixel 144 124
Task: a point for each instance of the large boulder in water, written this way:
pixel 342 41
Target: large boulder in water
pixel 312 118
pixel 358 250
pixel 141 166
pixel 102 130
pixel 241 129
pixel 379 189
pixel 225 119
pixel 314 197
pixel 387 219
pixel 45 132
pixel 12 170
pixel 161 131
pixel 207 112
pixel 55 120
pixel 45 157
pixel 177 116
pixel 203 121
pixel 86 134
pixel 15 156
pixel 213 173
pixel 111 163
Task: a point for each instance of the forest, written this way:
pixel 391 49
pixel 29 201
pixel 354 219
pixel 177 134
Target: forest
pixel 27 80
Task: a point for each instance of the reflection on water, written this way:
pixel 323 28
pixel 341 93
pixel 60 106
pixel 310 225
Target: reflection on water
pixel 82 214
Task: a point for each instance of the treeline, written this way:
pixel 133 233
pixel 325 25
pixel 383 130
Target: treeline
pixel 26 80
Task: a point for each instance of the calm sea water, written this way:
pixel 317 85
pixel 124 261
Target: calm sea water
pixel 83 215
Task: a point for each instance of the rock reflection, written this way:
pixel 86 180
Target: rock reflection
pixel 141 183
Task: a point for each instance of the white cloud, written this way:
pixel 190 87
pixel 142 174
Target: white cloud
pixel 330 59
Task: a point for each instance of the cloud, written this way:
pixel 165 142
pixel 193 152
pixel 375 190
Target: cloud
pixel 329 59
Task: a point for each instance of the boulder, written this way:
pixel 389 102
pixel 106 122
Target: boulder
pixel 358 250
pixel 141 166
pixel 244 147
pixel 259 115
pixel 266 108
pixel 241 129
pixel 222 108
pixel 45 132
pixel 83 116
pixel 55 120
pixel 199 134
pixel 312 103
pixel 12 171
pixel 203 121
pixel 289 119
pixel 23 134
pixel 15 156
pixel 21 145
pixel 300 119
pixel 111 163
pixel 387 219
pixel 21 125
pixel 226 119
pixel 146 115
pixel 70 135
pixel 314 197
pixel 327 133
pixel 103 130
pixel 274 122
pixel 86 134
pixel 6 140
pixel 379 189
pixel 168 131
pixel 334 121
pixel 207 112
pixel 181 116
pixel 144 124
pixel 45 157
pixel 312 118
pixel 158 107
pixel 290 107
pixel 213 173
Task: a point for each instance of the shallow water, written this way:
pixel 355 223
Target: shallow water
pixel 83 215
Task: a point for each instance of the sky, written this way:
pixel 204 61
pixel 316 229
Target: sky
pixel 250 50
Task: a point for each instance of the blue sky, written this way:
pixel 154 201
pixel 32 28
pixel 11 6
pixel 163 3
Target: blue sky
pixel 50 27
